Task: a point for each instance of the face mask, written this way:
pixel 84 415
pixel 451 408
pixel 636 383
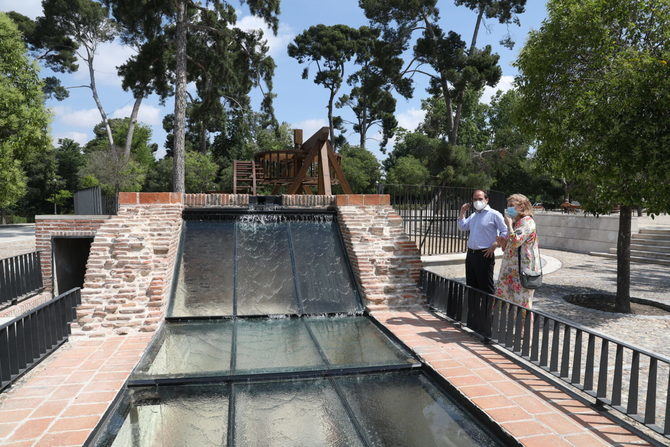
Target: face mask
pixel 479 205
pixel 511 211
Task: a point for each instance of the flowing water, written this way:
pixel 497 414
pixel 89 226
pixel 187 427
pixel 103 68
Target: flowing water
pixel 265 345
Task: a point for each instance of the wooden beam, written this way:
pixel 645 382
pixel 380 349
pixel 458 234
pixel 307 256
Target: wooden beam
pixel 253 176
pixel 324 170
pixel 234 177
pixel 307 189
pixel 317 139
pixel 297 181
pixel 339 173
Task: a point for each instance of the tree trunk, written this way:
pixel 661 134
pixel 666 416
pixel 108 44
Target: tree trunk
pixel 178 184
pixel 96 98
pixel 623 260
pixel 330 118
pixel 459 107
pixel 131 129
pixel 203 138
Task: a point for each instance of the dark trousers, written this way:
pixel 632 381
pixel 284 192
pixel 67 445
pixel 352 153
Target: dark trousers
pixel 479 271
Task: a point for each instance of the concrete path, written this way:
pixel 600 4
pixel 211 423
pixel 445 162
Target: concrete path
pixel 16 239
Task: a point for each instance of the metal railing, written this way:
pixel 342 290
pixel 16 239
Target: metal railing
pixel 92 201
pixel 615 373
pixel 430 214
pixel 20 277
pixel 27 339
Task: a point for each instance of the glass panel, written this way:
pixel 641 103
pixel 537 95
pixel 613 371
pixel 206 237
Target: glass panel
pixel 264 274
pixel 176 416
pixel 192 348
pixel 326 285
pixel 405 409
pixel 291 413
pixel 205 285
pixel 275 345
pixel 354 342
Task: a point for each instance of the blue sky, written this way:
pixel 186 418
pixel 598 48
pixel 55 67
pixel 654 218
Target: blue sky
pixel 299 102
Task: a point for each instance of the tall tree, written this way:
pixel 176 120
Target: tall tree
pixel 595 85
pixel 329 48
pixel 24 119
pixel 164 30
pixel 361 169
pixel 439 54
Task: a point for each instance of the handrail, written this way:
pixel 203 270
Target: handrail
pixel 20 277
pixel 556 345
pixel 27 339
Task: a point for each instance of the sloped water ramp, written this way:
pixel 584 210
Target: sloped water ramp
pixel 262 264
pixel 222 372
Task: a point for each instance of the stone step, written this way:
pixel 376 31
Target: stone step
pixel 657 231
pixel 648 241
pixel 635 259
pixel 651 238
pixel 650 247
pixel 646 254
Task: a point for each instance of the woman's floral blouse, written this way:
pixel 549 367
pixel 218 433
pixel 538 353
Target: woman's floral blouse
pixel 509 284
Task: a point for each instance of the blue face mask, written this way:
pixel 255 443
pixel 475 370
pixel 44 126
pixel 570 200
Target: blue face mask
pixel 511 212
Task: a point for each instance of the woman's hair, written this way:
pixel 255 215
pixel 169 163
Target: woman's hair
pixel 523 202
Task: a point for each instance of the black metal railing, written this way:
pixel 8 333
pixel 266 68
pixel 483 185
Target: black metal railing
pixel 430 214
pixel 27 339
pixel 20 277
pixel 615 373
pixel 92 201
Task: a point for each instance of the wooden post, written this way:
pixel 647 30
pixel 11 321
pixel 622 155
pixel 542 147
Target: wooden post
pixel 297 138
pixel 338 170
pixel 324 170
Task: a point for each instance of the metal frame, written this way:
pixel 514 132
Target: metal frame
pixel 20 278
pixel 545 341
pixel 29 338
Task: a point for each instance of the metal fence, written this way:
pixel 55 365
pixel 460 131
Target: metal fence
pixel 627 378
pixel 20 277
pixel 430 214
pixel 92 201
pixel 27 339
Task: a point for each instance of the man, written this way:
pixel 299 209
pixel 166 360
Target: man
pixel 485 226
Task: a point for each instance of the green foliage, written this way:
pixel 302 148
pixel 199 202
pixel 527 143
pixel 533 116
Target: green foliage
pixel 113 172
pixel 595 85
pixel 201 173
pixel 361 169
pixel 408 171
pixel 141 149
pixel 70 159
pixel 23 117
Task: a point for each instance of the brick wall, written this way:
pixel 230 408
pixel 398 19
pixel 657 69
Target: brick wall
pixel 386 261
pixel 130 268
pixel 47 227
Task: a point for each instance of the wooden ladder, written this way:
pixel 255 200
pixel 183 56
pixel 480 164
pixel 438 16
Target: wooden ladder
pixel 244 177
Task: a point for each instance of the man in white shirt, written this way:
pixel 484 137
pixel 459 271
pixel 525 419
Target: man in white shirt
pixel 484 225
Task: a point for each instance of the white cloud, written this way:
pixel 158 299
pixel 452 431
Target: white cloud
pixel 505 83
pixel 81 119
pixel 30 8
pixel 410 119
pixel 310 126
pixel 148 114
pixel 108 57
pixel 276 44
pixel 79 137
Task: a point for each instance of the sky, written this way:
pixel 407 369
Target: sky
pixel 299 102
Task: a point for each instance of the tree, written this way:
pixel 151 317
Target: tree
pixel 361 169
pixel 164 30
pixel 595 84
pixel 408 171
pixel 201 172
pixel 439 54
pixel 329 48
pixel 23 118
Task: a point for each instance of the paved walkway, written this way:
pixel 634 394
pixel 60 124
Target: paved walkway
pixel 62 399
pixel 16 240
pixel 534 411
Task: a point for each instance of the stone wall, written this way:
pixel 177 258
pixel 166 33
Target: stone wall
pixel 386 261
pixel 130 268
pixel 579 233
pixel 47 227
pixel 212 200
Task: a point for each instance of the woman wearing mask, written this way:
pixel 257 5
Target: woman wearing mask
pixel 521 235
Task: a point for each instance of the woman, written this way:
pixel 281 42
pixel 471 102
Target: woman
pixel 522 234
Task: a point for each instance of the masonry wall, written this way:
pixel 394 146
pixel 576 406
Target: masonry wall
pixel 130 268
pixel 386 261
pixel 47 227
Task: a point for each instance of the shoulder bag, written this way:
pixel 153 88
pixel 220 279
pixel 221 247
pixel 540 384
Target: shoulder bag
pixel 530 280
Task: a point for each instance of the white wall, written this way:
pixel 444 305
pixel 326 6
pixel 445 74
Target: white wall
pixel 579 233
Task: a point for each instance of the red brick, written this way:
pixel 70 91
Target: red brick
pixel 86 409
pixel 31 429
pixel 67 438
pixel 545 441
pixel 14 415
pixel 510 414
pixel 526 428
pixel 154 197
pixel 49 408
pixel 586 440
pixel 492 402
pixel 74 423
pixel 128 198
pixel 560 424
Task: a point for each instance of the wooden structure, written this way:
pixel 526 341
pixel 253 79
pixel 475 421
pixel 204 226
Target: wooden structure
pixel 311 165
